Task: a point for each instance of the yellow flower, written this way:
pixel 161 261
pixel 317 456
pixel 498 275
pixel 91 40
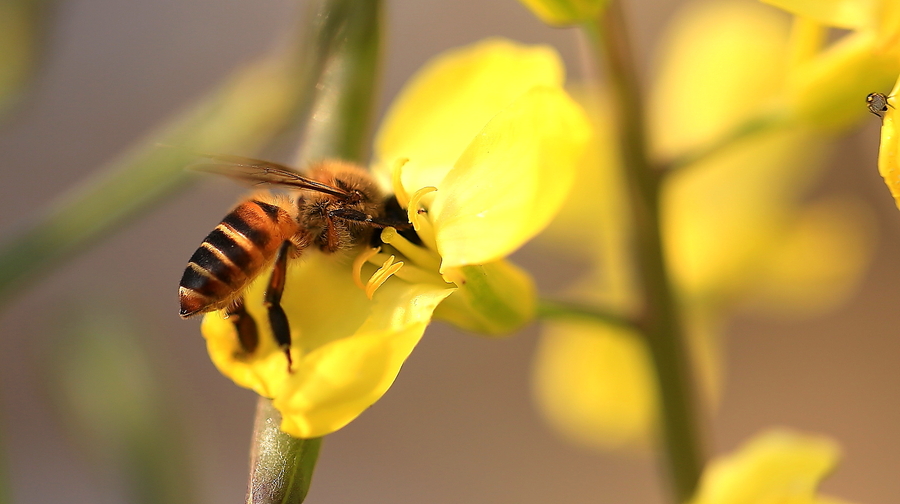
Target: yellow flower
pixel 736 232
pixel 565 12
pixel 775 467
pixel 480 148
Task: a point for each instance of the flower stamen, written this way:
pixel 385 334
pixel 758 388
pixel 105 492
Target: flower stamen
pixel 412 273
pixel 418 255
pixel 399 191
pixel 379 277
pixel 416 214
pixel 361 259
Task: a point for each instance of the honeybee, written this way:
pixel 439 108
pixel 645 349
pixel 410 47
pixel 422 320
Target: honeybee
pixel 335 206
pixel 877 104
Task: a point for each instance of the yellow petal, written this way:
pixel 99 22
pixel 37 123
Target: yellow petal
pixel 346 349
pixel 773 467
pixel 888 160
pixel 595 384
pixel 511 180
pixel 694 102
pixel 248 371
pixel 323 304
pixel 850 14
pixel 565 12
pixel 336 382
pixel 451 99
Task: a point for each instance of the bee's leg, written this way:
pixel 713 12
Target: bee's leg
pixel 248 336
pixel 277 318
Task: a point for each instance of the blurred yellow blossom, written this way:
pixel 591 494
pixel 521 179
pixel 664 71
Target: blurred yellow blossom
pixel 825 88
pixel 882 16
pixel 480 171
pixel 595 384
pixel 737 232
pixel 775 467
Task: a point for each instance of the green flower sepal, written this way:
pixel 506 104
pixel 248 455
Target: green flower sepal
pixel 493 299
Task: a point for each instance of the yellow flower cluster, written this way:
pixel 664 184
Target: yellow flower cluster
pixel 868 56
pixel 737 108
pixel 775 467
pixel 481 148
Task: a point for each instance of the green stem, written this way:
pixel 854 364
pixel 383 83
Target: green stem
pixel 25 25
pixel 752 126
pixel 281 466
pixel 342 117
pixel 242 117
pixel 555 309
pixel 659 317
pixel 338 127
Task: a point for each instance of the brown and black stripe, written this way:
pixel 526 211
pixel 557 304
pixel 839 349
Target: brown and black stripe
pixel 233 254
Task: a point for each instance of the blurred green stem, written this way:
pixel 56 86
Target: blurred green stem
pixel 23 33
pixel 338 127
pixel 254 105
pixel 659 318
pixel 754 125
pixel 556 309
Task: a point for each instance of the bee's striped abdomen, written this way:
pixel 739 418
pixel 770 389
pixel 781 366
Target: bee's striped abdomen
pixel 232 255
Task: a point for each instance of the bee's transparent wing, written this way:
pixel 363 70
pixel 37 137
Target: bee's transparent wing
pixel 257 171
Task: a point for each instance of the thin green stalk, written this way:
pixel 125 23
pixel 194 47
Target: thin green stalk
pixel 242 115
pixel 339 125
pixel 555 309
pixel 257 104
pixel 753 126
pixel 659 316
pixel 23 38
pixel 342 118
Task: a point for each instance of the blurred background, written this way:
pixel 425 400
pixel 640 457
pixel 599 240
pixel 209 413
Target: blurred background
pixel 459 424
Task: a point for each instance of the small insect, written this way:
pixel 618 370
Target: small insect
pixel 878 104
pixel 334 207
